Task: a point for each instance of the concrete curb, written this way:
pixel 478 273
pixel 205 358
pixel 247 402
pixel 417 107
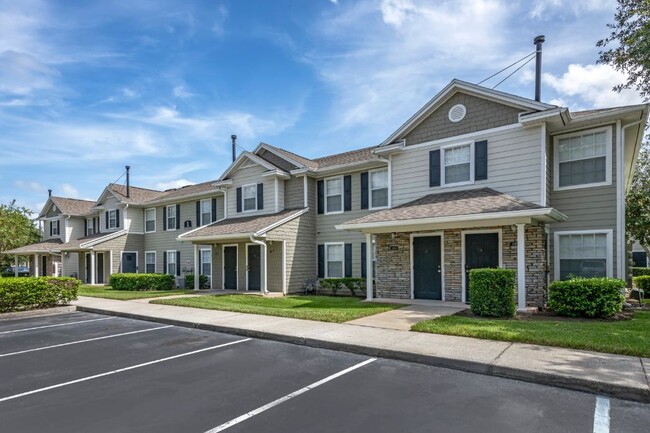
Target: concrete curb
pixel 573 383
pixel 38 313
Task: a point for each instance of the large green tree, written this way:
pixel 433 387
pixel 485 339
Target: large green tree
pixel 637 206
pixel 16 229
pixel 627 48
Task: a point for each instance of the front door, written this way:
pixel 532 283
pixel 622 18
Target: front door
pixel 88 268
pixel 129 263
pixel 230 268
pixel 100 268
pixel 254 268
pixel 481 251
pixel 44 266
pixel 427 271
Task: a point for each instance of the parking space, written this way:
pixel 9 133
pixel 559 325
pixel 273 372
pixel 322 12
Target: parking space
pixel 84 372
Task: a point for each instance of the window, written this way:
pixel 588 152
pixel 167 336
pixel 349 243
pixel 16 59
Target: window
pixel 249 197
pixel 150 220
pixel 334 254
pixel 150 262
pixel 171 262
pixel 583 254
pixel 55 228
pixel 90 229
pixel 171 217
pixel 378 189
pixel 206 211
pixel 458 164
pixel 206 265
pixel 334 195
pixel 583 159
pixel 112 219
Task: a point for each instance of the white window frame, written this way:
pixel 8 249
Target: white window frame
pixel 209 201
pixel 243 197
pixel 146 253
pixel 443 172
pixel 167 217
pixel 609 264
pixel 327 262
pixel 90 226
pixel 55 227
pixel 146 220
pixel 325 195
pixel 201 263
pixel 608 159
pixel 112 219
pixel 370 204
pixel 173 254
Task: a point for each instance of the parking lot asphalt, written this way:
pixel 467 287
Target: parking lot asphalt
pixel 82 372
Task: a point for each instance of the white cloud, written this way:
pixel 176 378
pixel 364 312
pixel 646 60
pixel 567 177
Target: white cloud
pixel 218 26
pixel 181 91
pixel 551 9
pixel 21 74
pixel 30 186
pixel 69 191
pixel 178 183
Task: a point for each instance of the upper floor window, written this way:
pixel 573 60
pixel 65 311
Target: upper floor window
pixel 90 226
pixel 206 211
pixel 112 219
pixel 583 159
pixel 171 217
pixel 457 164
pixel 378 189
pixel 249 197
pixel 583 254
pixel 150 220
pixel 334 195
pixel 54 228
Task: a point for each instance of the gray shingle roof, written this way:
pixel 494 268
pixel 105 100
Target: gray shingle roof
pixel 73 206
pixel 75 244
pixel 358 155
pixel 38 247
pixel 197 188
pixel 137 195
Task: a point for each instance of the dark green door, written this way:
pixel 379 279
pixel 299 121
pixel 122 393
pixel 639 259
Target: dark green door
pixel 129 263
pixel 230 268
pixel 427 272
pixel 481 251
pixel 100 268
pixel 254 267
pixel 88 268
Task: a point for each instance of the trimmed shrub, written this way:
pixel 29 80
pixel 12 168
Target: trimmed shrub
pixel 18 294
pixel 638 272
pixel 586 297
pixel 203 281
pixel 142 282
pixel 356 286
pixel 492 292
pixel 642 282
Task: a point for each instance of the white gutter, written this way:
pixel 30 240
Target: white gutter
pixel 263 261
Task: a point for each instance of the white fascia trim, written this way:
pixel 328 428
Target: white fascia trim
pixel 181 199
pixel 101 239
pixel 391 148
pixel 277 173
pixel 254 158
pixel 616 112
pixel 533 213
pixel 222 183
pixel 534 118
pixel 267 147
pixel 229 236
pixel 350 166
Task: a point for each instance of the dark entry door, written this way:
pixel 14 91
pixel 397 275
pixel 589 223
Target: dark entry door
pixel 100 268
pixel 481 251
pixel 129 263
pixel 230 268
pixel 254 267
pixel 44 266
pixel 427 272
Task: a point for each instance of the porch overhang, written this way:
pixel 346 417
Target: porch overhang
pixel 90 242
pixel 52 246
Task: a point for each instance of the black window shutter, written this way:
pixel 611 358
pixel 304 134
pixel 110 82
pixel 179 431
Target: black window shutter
pixel 178 218
pixel 198 213
pixel 239 199
pixel 178 263
pixel 348 260
pixel 214 209
pixel 363 260
pixel 106 220
pixel 347 193
pixel 260 196
pixel 85 227
pixel 434 168
pixel 164 212
pixel 480 160
pixel 51 227
pixel 364 190
pixel 321 261
pixel 117 218
pixel 165 262
pixel 58 227
pixel 321 196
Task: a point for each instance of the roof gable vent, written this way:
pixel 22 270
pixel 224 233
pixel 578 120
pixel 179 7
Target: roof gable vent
pixel 457 113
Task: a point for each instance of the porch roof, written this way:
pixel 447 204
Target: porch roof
pixel 87 242
pixel 474 205
pixel 242 227
pixel 37 248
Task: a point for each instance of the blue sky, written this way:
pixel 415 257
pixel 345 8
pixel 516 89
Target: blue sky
pixel 88 87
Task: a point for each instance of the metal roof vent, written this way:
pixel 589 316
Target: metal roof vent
pixel 457 113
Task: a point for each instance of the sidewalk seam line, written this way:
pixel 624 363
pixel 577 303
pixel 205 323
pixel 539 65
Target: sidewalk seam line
pixel 645 373
pixel 492 364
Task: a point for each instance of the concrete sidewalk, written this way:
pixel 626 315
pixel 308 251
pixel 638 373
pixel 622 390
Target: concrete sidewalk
pixel 614 375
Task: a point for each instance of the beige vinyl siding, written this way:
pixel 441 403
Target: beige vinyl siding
pixel 220 207
pixel 294 191
pixel 162 241
pixel 71 265
pixel 75 228
pixel 62 230
pixel 246 176
pixel 513 167
pixel 134 220
pixel 280 185
pixel 110 204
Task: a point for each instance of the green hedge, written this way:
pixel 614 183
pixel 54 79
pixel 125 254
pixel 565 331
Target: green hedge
pixel 203 281
pixel 142 282
pixel 17 294
pixel 586 297
pixel 638 272
pixel 492 292
pixel 642 282
pixel 356 286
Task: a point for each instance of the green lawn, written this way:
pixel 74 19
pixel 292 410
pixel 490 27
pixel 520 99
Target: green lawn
pixel 322 308
pixel 626 337
pixel 125 295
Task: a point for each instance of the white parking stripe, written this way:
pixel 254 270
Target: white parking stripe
pixel 84 341
pixel 120 370
pixel 53 326
pixel 287 397
pixel 601 415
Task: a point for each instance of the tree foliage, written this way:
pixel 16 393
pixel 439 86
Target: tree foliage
pixel 637 201
pixel 16 229
pixel 629 45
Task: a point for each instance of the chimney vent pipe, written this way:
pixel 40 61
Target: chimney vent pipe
pixel 538 41
pixel 49 193
pixel 234 147
pixel 128 181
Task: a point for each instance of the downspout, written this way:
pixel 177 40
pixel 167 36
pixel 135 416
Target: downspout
pixel 262 244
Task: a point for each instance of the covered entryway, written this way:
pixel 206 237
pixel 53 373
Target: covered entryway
pixel 230 267
pixel 427 267
pixel 253 264
pixel 482 250
pixel 100 268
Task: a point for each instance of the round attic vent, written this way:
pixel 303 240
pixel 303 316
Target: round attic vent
pixel 54 208
pixel 457 113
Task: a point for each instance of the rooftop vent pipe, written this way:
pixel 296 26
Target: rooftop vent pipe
pixel 538 41
pixel 234 147
pixel 128 181
pixel 49 193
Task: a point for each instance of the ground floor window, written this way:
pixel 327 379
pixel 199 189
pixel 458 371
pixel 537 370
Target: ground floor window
pixel 583 254
pixel 171 263
pixel 206 265
pixel 640 259
pixel 334 255
pixel 150 262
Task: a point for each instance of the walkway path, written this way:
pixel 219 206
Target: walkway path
pixel 405 317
